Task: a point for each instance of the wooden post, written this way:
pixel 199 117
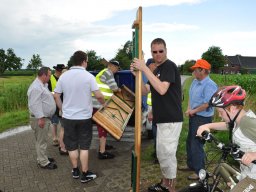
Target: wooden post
pixel 137 46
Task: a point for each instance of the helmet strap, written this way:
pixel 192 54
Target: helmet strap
pixel 231 124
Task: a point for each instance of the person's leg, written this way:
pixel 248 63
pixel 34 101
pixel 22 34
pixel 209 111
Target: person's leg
pixel 73 155
pixel 71 140
pixel 84 140
pixel 103 154
pixel 41 135
pixel 102 140
pixel 62 147
pixel 84 159
pixel 167 141
pixel 197 145
pixel 55 122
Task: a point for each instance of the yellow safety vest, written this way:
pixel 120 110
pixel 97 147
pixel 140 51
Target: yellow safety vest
pixel 149 101
pixel 53 82
pixel 104 88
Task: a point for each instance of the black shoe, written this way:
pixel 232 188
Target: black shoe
pixel 75 173
pixel 63 152
pixel 109 147
pixel 158 188
pixel 52 160
pixel 106 155
pixel 88 176
pixel 49 166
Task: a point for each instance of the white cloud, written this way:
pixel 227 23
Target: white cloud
pixel 54 29
pixel 167 27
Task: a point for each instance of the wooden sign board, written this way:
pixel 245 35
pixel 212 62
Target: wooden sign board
pixel 116 113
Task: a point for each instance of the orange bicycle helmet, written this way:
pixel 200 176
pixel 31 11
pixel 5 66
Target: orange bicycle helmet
pixel 228 95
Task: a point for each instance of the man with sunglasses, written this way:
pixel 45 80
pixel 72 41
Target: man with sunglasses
pixel 165 86
pixel 199 113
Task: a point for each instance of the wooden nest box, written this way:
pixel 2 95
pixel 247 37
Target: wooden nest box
pixel 116 113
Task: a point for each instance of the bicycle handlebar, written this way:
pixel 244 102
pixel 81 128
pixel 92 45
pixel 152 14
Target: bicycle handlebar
pixel 232 149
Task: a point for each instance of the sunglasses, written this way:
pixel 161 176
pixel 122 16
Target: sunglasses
pixel 160 51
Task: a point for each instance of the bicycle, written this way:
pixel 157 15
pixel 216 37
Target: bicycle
pixel 210 182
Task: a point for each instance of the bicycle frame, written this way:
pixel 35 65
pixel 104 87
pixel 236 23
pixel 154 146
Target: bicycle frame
pixel 230 175
pixel 222 170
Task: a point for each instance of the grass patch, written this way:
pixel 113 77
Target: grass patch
pixel 13 101
pixel 10 120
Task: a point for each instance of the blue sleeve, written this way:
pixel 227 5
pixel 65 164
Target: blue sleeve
pixel 209 90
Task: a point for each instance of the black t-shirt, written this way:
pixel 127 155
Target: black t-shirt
pixel 167 108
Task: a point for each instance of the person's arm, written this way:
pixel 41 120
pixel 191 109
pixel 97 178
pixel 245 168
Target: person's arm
pixel 36 106
pixel 198 109
pixel 145 88
pixel 58 100
pixel 188 109
pixel 150 115
pixel 160 86
pixel 248 157
pixel 99 96
pixel 208 127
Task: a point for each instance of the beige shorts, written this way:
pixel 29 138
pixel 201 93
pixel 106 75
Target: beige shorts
pixel 168 135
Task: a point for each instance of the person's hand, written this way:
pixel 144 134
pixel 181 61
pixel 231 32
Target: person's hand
pixel 187 112
pixel 132 69
pixel 248 157
pixel 138 64
pixel 201 129
pixel 41 122
pixel 190 113
pixel 150 116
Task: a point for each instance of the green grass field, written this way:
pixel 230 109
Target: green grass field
pixel 14 113
pixel 13 101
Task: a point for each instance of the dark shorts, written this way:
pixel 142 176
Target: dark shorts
pixel 77 134
pixel 55 119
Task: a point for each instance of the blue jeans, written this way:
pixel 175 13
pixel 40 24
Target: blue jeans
pixel 195 146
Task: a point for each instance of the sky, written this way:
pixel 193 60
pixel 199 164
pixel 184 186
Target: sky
pixel 55 29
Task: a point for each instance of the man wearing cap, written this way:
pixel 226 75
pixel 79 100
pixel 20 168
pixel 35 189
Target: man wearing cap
pixel 107 84
pixel 199 113
pixel 51 86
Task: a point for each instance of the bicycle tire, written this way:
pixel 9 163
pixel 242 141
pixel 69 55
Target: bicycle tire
pixel 196 188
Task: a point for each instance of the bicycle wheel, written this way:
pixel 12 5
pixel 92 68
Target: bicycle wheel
pixel 195 188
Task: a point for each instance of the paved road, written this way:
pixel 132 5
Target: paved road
pixel 19 172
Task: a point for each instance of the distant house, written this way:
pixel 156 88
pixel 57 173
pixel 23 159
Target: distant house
pixel 239 64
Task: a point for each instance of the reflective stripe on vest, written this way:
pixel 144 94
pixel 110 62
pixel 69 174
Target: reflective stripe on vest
pixel 149 101
pixel 104 88
pixel 53 82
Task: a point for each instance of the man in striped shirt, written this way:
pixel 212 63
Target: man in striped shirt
pixel 107 84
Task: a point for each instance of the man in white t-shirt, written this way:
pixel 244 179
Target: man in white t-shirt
pixel 77 85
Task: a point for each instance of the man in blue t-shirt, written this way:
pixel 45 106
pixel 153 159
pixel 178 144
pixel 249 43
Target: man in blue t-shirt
pixel 199 113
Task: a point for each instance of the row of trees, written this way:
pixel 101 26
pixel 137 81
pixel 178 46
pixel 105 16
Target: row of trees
pixel 9 61
pixel 213 55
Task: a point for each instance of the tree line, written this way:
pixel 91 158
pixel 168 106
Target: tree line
pixel 9 61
